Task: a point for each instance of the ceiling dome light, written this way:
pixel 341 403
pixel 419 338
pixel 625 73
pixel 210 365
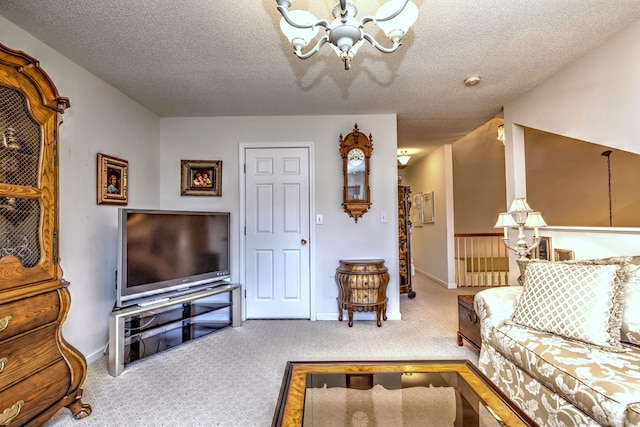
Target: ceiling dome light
pixel 472 81
pixel 404 158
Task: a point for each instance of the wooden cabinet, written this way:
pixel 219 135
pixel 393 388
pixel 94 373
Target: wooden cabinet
pixel 39 371
pixel 362 287
pixel 468 322
pixel 404 240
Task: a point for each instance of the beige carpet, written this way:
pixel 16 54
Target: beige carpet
pixel 379 407
pixel 233 377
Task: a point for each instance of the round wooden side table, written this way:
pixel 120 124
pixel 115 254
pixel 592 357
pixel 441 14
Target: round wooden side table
pixel 362 287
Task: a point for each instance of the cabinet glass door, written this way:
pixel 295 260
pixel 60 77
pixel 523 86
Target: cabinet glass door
pixel 21 200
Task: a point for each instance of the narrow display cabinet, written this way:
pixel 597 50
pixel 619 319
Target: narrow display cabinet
pixel 39 371
pixel 404 240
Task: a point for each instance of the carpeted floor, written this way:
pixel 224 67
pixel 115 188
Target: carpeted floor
pixel 407 407
pixel 233 377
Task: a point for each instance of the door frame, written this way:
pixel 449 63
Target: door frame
pixel 242 148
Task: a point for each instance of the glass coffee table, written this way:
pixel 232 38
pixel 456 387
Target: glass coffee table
pixel 392 393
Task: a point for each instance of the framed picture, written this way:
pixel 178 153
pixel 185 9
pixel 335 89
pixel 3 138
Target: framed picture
pixel 563 254
pixel 427 208
pixel 113 176
pixel 416 210
pixel 543 251
pixel 201 178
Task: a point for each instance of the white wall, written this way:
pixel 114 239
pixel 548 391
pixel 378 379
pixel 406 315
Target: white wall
pixel 594 99
pixel 478 179
pixel 432 244
pixel 218 138
pixel 101 119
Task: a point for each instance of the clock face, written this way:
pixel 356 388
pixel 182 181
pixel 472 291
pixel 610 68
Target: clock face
pixel 356 156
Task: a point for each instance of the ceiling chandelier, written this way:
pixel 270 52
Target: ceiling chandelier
pixel 345 34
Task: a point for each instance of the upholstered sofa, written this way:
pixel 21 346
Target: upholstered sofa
pixel 565 346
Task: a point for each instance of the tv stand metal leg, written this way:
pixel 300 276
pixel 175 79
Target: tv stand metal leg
pixel 116 345
pixel 236 309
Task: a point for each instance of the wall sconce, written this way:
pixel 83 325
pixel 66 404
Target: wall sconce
pixel 522 216
pixel 404 158
pixel 501 134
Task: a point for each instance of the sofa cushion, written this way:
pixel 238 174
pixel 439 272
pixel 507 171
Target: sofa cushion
pixel 495 305
pixel 544 406
pixel 577 301
pixel 603 384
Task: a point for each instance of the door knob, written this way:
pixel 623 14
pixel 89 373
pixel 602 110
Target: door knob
pixel 303 241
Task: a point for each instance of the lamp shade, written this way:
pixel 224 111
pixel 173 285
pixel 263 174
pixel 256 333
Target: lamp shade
pixel 535 220
pixel 520 205
pixel 301 17
pixel 402 22
pixel 505 220
pixel 404 159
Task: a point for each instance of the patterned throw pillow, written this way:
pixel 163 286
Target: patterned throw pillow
pixel 630 330
pixel 630 267
pixel 580 301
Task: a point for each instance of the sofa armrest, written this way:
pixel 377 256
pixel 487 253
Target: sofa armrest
pixel 494 306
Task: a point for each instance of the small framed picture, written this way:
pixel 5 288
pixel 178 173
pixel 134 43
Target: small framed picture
pixel 563 255
pixel 201 178
pixel 112 180
pixel 543 251
pixel 416 210
pixel 428 215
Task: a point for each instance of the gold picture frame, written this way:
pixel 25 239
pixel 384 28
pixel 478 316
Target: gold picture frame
pixel 113 180
pixel 563 255
pixel 201 178
pixel 416 210
pixel 543 251
pixel 428 212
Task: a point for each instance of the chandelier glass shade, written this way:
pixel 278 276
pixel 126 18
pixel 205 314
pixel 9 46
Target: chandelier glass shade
pixel 345 34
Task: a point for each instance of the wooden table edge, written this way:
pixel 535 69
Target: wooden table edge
pixel 290 405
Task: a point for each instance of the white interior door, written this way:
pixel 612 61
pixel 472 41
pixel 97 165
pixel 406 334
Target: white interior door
pixel 277 255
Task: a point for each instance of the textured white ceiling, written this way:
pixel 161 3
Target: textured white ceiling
pixel 215 58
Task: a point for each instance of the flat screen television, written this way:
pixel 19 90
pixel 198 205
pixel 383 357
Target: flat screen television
pixel 162 252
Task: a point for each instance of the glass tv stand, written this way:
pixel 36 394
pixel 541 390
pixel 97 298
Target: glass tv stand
pixel 139 331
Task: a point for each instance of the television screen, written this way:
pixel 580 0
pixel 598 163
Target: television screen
pixel 164 251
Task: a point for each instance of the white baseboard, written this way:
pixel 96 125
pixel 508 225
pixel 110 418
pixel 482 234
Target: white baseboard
pixel 436 279
pixel 92 357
